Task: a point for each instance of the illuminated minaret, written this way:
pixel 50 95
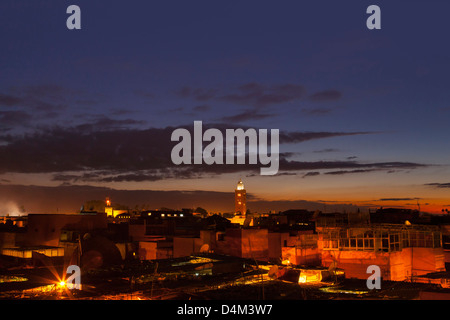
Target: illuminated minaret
pixel 108 208
pixel 240 199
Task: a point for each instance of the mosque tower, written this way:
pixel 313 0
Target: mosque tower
pixel 240 199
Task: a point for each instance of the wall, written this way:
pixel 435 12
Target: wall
pixel 244 243
pixel 355 263
pixel 151 250
pixel 185 246
pixel 302 256
pixel 8 239
pixel 276 242
pixel 425 260
pixel 136 232
pixel 395 266
pixel 231 244
pixel 255 244
pixel 147 250
pixel 45 229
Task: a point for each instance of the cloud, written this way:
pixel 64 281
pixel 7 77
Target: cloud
pixel 246 115
pixel 102 122
pixel 136 177
pixel 298 136
pixel 9 101
pixel 327 150
pixel 316 165
pixel 397 199
pixel 108 150
pixel 439 185
pixel 340 172
pixel 327 95
pixel 65 177
pixel 14 118
pixel 258 95
pixel 316 111
pixel 249 94
pixel 85 147
pixel 44 100
pixel 311 174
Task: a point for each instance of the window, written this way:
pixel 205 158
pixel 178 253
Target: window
pixel 368 244
pixel 344 243
pixel 394 242
pixel 360 244
pixel 436 240
pixel 385 244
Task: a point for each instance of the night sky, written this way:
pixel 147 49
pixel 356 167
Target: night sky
pixel 363 114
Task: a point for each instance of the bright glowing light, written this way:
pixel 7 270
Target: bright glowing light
pixel 62 284
pixel 302 279
pixel 240 185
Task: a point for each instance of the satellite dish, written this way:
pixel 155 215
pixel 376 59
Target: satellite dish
pixel 204 248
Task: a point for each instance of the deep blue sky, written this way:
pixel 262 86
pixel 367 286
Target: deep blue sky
pixel 382 95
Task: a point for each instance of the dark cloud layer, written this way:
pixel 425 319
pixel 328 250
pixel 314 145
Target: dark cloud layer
pixel 38 98
pixel 251 94
pixel 311 174
pixel 341 172
pixel 91 152
pixel 439 185
pixel 9 100
pixel 14 118
pixel 246 116
pixel 327 95
pixel 258 95
pixel 295 137
pixel 397 199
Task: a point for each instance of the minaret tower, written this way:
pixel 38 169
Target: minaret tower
pixel 240 199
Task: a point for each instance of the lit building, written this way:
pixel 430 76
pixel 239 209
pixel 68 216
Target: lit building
pixel 108 208
pixel 111 211
pixel 240 199
pixel 401 251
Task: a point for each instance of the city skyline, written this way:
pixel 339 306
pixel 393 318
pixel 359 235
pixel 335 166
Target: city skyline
pixel 362 113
